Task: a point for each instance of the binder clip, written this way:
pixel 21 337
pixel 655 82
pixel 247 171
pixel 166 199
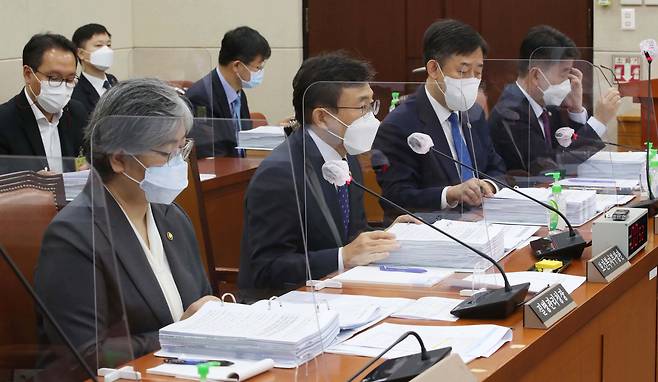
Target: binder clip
pixel 126 372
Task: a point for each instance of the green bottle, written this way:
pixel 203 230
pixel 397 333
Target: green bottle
pixel 557 201
pixel 395 101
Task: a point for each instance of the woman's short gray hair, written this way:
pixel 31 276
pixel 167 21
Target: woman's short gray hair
pixel 133 117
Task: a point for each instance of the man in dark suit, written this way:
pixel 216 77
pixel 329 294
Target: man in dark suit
pixel 445 109
pixel 220 94
pixel 41 125
pixel 547 95
pixel 288 202
pixel 95 52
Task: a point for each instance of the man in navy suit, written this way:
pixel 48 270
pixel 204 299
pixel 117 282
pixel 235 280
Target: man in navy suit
pixel 547 95
pixel 220 94
pixel 444 108
pixel 288 202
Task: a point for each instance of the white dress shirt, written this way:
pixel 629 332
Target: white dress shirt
pixel 581 117
pixel 442 113
pixel 328 154
pixel 49 136
pixel 96 82
pixel 158 261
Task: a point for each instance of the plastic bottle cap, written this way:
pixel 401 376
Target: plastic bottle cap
pixel 203 369
pixel 556 188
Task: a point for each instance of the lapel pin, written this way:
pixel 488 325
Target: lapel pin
pixel 170 236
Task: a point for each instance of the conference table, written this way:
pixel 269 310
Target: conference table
pixel 609 336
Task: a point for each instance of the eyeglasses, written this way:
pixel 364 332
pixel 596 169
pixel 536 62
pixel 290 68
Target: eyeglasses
pixel 184 151
pixel 57 81
pixel 365 109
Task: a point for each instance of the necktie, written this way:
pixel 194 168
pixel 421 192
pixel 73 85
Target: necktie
pixel 106 85
pixel 235 111
pixel 460 148
pixel 547 129
pixel 344 204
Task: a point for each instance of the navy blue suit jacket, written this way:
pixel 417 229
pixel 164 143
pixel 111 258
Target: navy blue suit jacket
pixel 272 253
pixel 417 181
pixel 518 137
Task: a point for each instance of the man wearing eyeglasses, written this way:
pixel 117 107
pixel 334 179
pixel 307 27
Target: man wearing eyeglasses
pixel 220 94
pixel 41 125
pixel 548 95
pixel 445 109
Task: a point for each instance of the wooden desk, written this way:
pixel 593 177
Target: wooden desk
pixel 223 196
pixel 610 336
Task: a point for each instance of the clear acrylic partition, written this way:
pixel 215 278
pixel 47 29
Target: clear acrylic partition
pixel 37 272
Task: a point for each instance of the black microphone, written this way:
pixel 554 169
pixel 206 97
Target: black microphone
pixel 509 115
pixel 497 303
pixel 564 244
pixel 42 307
pixel 403 368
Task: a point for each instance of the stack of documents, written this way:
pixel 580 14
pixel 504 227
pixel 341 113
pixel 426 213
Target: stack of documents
pixel 538 280
pixel 613 165
pixel 235 331
pixel 422 246
pixel 429 308
pixel 74 182
pixel 261 138
pixel 377 275
pixel 355 313
pixel 470 341
pixel 607 186
pixel 509 207
pixel 239 371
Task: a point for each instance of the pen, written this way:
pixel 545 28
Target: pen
pixel 179 361
pixel 387 268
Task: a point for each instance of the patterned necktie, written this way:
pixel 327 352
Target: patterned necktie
pixel 235 111
pixel 344 205
pixel 106 85
pixel 460 148
pixel 547 128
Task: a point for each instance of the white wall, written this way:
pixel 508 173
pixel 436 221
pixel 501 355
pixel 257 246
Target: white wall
pixel 610 40
pixel 170 39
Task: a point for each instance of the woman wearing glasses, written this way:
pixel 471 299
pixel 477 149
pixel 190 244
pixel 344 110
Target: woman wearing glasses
pixel 121 249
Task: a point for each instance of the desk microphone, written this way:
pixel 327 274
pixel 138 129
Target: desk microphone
pixel 497 303
pixel 42 307
pixel 403 368
pixel 564 244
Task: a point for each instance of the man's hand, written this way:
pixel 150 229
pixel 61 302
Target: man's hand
pixel 369 247
pixel 574 100
pixel 607 106
pixel 469 192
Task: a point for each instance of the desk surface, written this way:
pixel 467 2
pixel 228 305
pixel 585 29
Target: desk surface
pixel 528 346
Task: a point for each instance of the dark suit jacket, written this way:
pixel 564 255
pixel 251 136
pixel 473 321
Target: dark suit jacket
pixel 272 254
pixel 518 137
pixel 86 94
pixel 20 136
pixel 417 181
pixel 65 271
pixel 214 138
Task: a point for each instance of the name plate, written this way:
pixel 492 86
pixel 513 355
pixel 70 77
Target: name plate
pixel 547 308
pixel 607 265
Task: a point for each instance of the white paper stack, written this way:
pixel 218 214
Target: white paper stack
pixel 235 331
pixel 613 165
pixel 509 207
pixel 74 182
pixel 422 246
pixel 261 138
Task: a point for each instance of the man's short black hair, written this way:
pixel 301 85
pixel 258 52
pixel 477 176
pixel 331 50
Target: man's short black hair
pixel 448 37
pixel 544 43
pixel 243 44
pixel 336 68
pixel 86 32
pixel 40 43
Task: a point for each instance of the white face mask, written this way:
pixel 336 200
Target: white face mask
pixel 555 94
pixel 360 134
pixel 460 94
pixel 52 98
pixel 163 184
pixel 102 58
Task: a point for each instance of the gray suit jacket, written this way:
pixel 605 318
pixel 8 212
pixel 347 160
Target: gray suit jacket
pixel 90 268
